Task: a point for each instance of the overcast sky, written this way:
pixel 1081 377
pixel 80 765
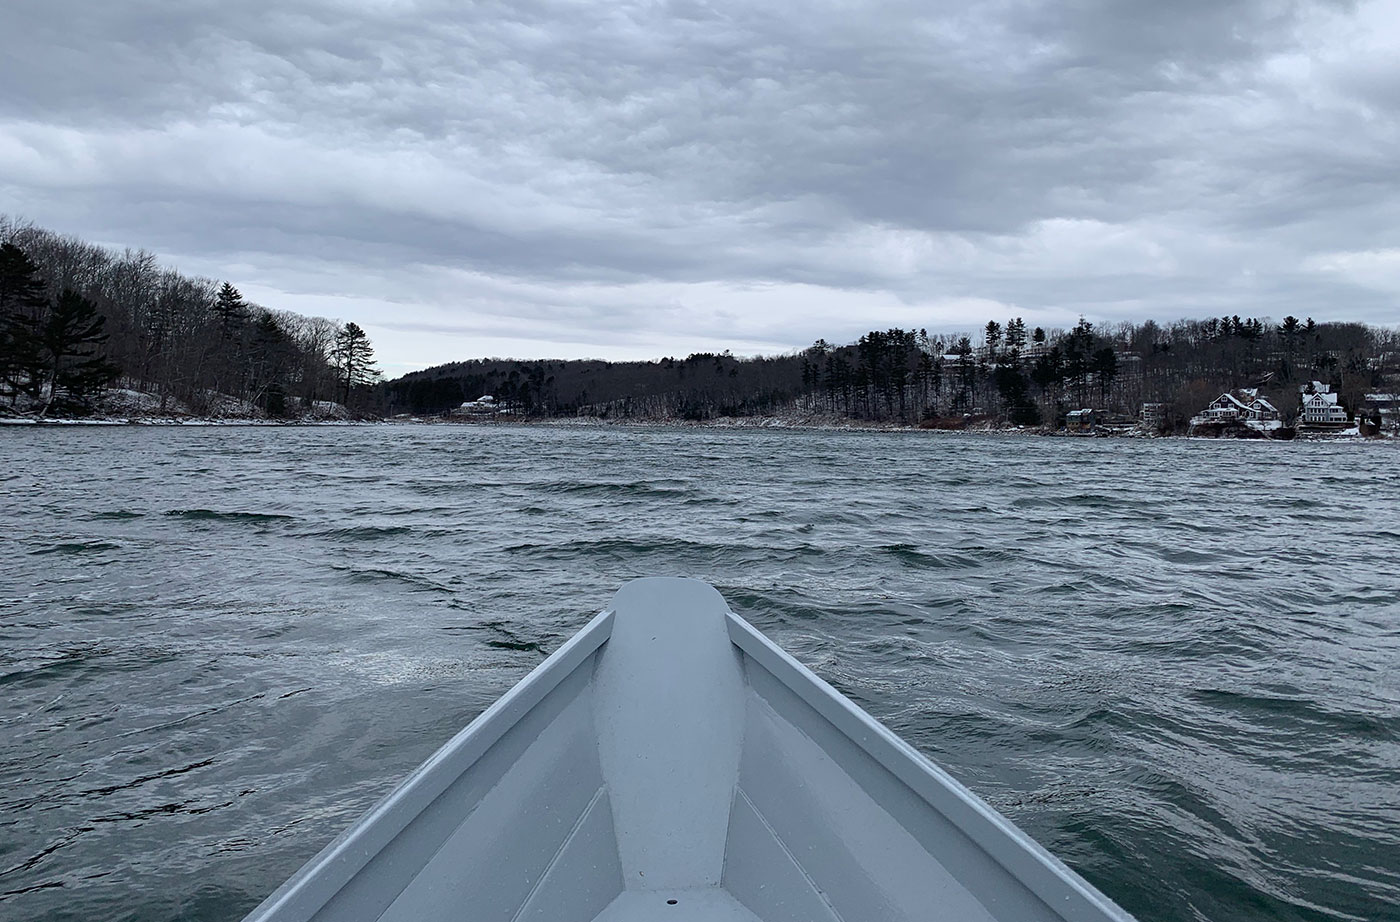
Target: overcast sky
pixel 631 180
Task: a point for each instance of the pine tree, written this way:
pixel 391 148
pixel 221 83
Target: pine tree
pixel 23 301
pixel 69 341
pixel 354 359
pixel 271 353
pixel 230 309
pixel 1015 334
pixel 1104 365
pixel 967 373
pixel 993 337
pixel 1015 394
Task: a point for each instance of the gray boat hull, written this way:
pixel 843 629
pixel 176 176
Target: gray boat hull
pixel 669 762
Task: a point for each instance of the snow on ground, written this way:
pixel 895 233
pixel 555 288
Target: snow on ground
pixel 222 406
pixel 328 409
pixel 122 401
pixel 121 405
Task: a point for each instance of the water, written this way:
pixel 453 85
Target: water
pixel 1173 663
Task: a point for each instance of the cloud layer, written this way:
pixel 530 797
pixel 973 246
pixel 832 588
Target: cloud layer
pixel 636 179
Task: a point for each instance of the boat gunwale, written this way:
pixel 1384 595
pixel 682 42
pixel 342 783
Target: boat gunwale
pixel 323 876
pixel 1024 859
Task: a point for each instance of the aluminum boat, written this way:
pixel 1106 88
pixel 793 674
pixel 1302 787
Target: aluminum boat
pixel 671 764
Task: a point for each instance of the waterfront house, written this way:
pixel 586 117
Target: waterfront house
pixel 482 406
pixel 1385 406
pixel 1320 408
pixel 1240 407
pixel 1260 410
pixel 1080 420
pixel 1153 415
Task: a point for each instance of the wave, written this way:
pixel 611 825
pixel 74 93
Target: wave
pixel 672 549
pixel 377 574
pixel 1073 501
pixel 911 556
pixel 363 532
pixel 645 488
pixel 1300 713
pixel 77 547
pixel 68 660
pixel 242 518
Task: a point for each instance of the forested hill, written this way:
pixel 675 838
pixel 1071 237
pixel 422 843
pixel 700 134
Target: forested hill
pixel 698 387
pixel 1002 374
pixel 83 327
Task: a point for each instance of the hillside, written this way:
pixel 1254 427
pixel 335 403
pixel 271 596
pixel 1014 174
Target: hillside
pixel 79 322
pixel 1008 376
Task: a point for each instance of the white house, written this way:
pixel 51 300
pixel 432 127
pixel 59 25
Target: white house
pixel 1320 407
pixel 482 406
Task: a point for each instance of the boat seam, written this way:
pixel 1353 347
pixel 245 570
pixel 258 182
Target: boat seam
pixel 821 894
pixel 578 824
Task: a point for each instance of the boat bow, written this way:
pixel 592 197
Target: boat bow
pixel 670 762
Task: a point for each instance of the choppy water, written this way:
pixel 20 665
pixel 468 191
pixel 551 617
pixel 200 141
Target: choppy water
pixel 1175 664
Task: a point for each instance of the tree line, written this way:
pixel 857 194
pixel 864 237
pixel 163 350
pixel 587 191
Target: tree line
pixel 1004 373
pixel 77 320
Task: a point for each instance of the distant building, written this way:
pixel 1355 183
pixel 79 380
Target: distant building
pixel 1243 406
pixel 1153 415
pixel 481 406
pixel 1080 420
pixel 1383 361
pixel 1320 408
pixel 1386 406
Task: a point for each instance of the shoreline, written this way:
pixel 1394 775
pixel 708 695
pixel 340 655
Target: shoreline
pixel 814 424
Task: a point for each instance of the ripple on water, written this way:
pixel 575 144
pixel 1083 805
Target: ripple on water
pixel 1189 697
pixel 77 547
pixel 234 518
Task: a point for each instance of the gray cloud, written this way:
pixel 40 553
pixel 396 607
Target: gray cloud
pixel 564 163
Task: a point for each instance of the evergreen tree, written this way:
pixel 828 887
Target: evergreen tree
pixel 967 373
pixel 21 286
pixel 271 354
pixel 1290 330
pixel 1105 367
pixel 1015 334
pixel 231 369
pixel 1078 348
pixel 1048 369
pixel 1015 394
pixel 23 301
pixel 230 309
pixel 354 359
pixel 70 340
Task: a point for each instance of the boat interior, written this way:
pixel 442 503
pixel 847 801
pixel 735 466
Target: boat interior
pixel 670 764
